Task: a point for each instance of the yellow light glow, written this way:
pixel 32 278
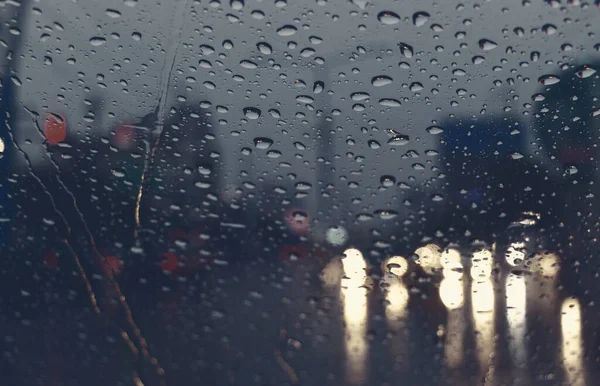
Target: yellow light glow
pixel 482 264
pixel 332 274
pixel 354 298
pixel 482 305
pixel 429 258
pixel 452 295
pixel 396 265
pixel 515 254
pixel 516 304
pixel 572 343
pixel 396 296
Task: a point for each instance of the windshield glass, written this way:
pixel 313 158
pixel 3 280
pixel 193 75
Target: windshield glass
pixel 313 192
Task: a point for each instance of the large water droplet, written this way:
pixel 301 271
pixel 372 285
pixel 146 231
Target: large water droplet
pixel 389 102
pixel 416 87
pixel 305 99
pixel 487 45
pixel 252 113
pixel 549 29
pixel 585 72
pixel 374 144
pixel 113 13
pixel 263 143
pixel 398 140
pixel 318 87
pixel 548 80
pixel 97 41
pixel 359 96
pixel 386 214
pixel 388 17
pixel 248 64
pixel 388 181
pixel 287 30
pixel 435 130
pixel 406 50
pixel 264 48
pixel 381 80
pixel 420 18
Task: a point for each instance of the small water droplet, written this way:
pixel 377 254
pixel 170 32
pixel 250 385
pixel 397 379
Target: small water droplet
pixel 136 36
pixel 374 144
pixel 388 181
pixel 318 87
pixel 398 140
pixel 386 214
pixel 305 99
pixel 389 102
pixel 113 13
pixel 248 64
pixel 359 96
pixel 549 29
pixel 416 87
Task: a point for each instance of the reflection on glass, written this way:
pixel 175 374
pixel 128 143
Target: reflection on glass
pixel 515 314
pixel 572 343
pixel 453 296
pixel 396 294
pixel 354 298
pixel 542 288
pixel 429 258
pixel 482 306
pixel 515 254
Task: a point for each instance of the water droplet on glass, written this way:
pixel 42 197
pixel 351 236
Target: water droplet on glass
pixel 318 87
pixel 389 102
pixel 252 113
pixel 204 169
pixel 287 30
pixel 585 72
pixel 315 40
pixel 398 140
pixel 262 143
pixel 304 99
pixel 478 59
pixel 548 80
pixel 406 50
pixel 97 41
pixel 264 48
pixel 386 214
pixel 206 49
pixel 388 181
pixel 248 64
pixel 487 45
pixel 136 36
pixel 236 5
pixel 374 144
pixel 571 170
pixel 359 96
pixel 420 18
pixel 113 13
pixel 381 80
pixel 15 79
pixel 549 29
pixel 535 56
pixel 416 87
pixel 435 130
pixel 388 17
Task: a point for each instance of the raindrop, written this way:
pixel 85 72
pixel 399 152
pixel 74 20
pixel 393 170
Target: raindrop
pixel 315 40
pixel 263 143
pixel 258 14
pixel 248 64
pixel 416 87
pixel 386 214
pixel 388 17
pixel 273 154
pixel 113 13
pixel 478 59
pixel 406 50
pixel 287 30
pixel 571 170
pixel 359 96
pixel 420 18
pixel 435 130
pixel 318 87
pixel 236 5
pixel 549 29
pixel 487 45
pixel 374 144
pixel 585 72
pixel 388 181
pixel 535 56
pixel 206 49
pixel 548 80
pixel 15 79
pixel 136 36
pixel 304 99
pixel 264 48
pixel 252 113
pixel 389 102
pixel 398 140
pixel 204 169
pixel 307 52
pixel 97 41
pixel 381 80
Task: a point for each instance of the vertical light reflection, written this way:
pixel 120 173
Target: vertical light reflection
pixel 453 296
pixel 354 298
pixel 516 304
pixel 396 296
pixel 482 306
pixel 572 343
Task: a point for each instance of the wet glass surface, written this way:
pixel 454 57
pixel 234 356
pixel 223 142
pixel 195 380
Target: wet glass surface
pixel 312 192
